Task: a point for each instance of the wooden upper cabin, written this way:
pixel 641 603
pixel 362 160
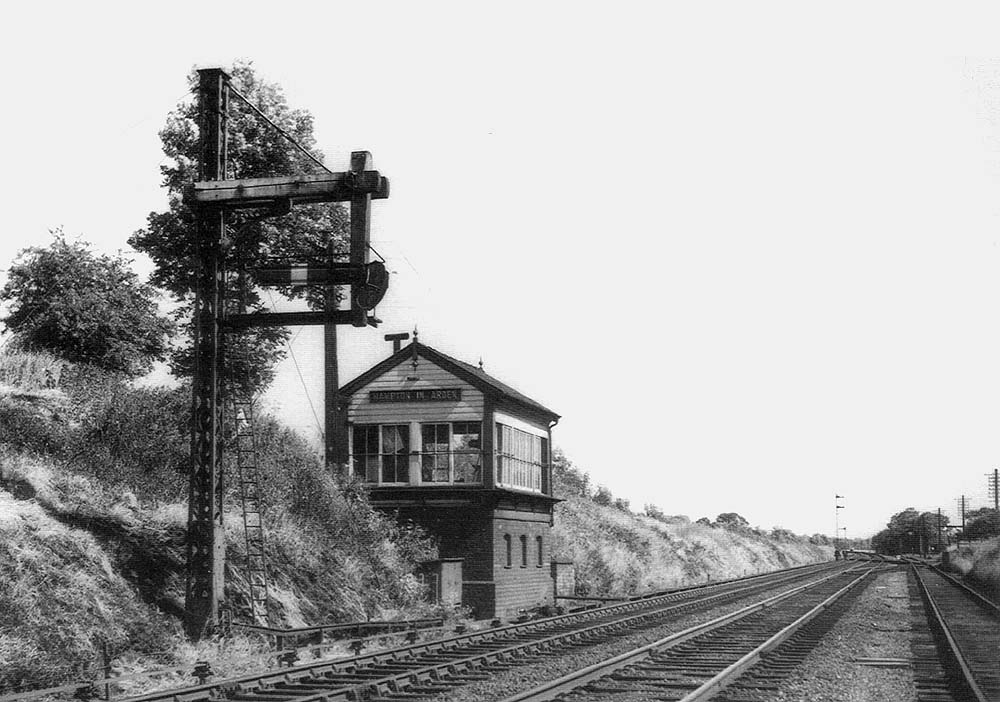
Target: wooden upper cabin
pixel 427 428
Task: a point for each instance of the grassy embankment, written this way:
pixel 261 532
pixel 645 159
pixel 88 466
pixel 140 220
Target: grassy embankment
pixel 617 551
pixel 622 552
pixel 92 526
pixel 92 523
pixel 979 562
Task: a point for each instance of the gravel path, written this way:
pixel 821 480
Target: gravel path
pixel 877 626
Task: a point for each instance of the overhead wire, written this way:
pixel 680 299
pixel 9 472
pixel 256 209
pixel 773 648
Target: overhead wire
pixel 322 165
pixel 298 370
pixel 243 98
pixel 280 131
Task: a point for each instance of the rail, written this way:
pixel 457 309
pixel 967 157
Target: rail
pixel 644 605
pixel 951 649
pixel 345 629
pixel 418 668
pixel 575 681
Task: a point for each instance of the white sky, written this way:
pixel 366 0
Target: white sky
pixel 747 250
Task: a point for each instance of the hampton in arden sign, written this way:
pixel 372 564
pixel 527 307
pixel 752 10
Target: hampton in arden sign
pixel 424 395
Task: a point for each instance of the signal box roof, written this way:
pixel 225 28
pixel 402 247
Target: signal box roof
pixel 471 374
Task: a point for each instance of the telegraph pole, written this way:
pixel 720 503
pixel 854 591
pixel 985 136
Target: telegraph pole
pixel 939 530
pixel 331 382
pixel 994 488
pixel 206 547
pixel 836 521
pixel 962 507
pixel 923 534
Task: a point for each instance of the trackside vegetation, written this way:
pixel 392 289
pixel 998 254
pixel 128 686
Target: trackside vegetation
pixel 93 516
pixel 94 463
pixel 617 551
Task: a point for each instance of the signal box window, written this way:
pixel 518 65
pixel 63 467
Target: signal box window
pixel 435 457
pixel 520 458
pixel 466 452
pixel 366 452
pixel 395 453
pixel 451 453
pixel 382 452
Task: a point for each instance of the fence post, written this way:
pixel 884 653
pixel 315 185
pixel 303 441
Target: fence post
pixel 106 655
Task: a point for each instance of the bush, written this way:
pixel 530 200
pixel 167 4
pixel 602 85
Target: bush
pixel 733 522
pixel 84 308
pixel 30 371
pixel 568 480
pixel 984 525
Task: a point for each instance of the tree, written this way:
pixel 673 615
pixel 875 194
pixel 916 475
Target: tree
pixel 256 150
pixel 982 524
pixel 603 496
pixel 782 534
pixel 84 308
pixel 909 531
pixel 732 521
pixel 651 510
pixel 569 480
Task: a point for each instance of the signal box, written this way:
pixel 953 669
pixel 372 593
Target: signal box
pixel 447 446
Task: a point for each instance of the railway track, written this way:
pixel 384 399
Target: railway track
pixel 427 668
pixel 744 653
pixel 956 640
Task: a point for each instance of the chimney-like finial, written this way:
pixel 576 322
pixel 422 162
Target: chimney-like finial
pixel 397 340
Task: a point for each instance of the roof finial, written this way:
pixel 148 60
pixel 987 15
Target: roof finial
pixel 480 362
pixel 413 347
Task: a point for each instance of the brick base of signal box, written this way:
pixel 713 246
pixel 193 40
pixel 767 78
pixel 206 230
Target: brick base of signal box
pixel 504 543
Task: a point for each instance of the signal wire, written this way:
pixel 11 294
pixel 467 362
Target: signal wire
pixel 280 131
pixel 302 380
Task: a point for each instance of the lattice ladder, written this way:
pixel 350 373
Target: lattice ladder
pixel 253 528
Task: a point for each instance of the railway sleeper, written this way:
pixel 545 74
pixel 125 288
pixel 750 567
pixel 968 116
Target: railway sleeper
pixel 353 675
pixel 311 687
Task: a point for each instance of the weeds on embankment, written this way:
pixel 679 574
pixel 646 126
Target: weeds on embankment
pixel 93 481
pixel 979 561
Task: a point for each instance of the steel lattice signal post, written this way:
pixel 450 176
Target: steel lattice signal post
pixel 212 197
pixel 206 540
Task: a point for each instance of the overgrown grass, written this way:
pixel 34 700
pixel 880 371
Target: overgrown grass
pixel 93 479
pixel 29 370
pixel 61 598
pixel 979 561
pixel 618 552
